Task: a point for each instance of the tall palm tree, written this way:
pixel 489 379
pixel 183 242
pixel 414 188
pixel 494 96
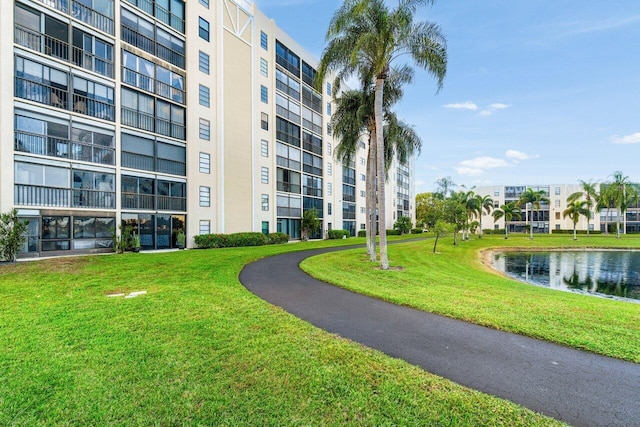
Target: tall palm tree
pixel 576 209
pixel 535 198
pixel 445 184
pixel 623 194
pixel 485 204
pixel 365 38
pixel 509 211
pixel 354 119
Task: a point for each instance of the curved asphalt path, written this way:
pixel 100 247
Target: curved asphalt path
pixel 580 388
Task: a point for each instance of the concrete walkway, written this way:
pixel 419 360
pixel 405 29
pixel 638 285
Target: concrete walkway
pixel 580 388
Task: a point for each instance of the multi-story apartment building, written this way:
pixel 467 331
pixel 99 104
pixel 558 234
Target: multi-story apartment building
pixel 166 115
pixel 549 217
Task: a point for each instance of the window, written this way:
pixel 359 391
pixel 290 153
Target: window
pixel 363 226
pixel 287 84
pixel 264 121
pixel 287 156
pixel 265 227
pixel 363 193
pixel 264 94
pixel 308 73
pixel 287 132
pixel 203 30
pixel 328 108
pixel 264 67
pixel 329 210
pixel 203 60
pixel 264 40
pixel 312 186
pixel 328 148
pixel 55 233
pixel 205 3
pixel 311 143
pixel 205 227
pixel 264 148
pixel 363 177
pixel 362 210
pixel 496 204
pixel 287 108
pixel 91 53
pixel 558 203
pixel 328 89
pixel 288 181
pixel 148 154
pixel 557 191
pixel 287 59
pixel 289 205
pixel 329 168
pixel 205 129
pixel 264 175
pixel 265 202
pixel 557 215
pixel 312 164
pixel 205 163
pixel 205 196
pixel 329 129
pixel 204 96
pixel 496 193
pixel 93 99
pixel 362 161
pixel 557 226
pixel 329 192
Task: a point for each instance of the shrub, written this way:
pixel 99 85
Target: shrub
pixel 338 234
pixel 417 231
pixel 493 231
pixel 362 233
pixel 277 238
pixel 12 231
pixel 393 232
pixel 231 240
pixel 403 225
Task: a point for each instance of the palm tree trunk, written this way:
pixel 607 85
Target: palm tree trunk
pixel 382 217
pixel 371 200
pixel 574 232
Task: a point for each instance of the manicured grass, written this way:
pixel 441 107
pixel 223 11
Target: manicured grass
pixel 199 349
pixel 455 283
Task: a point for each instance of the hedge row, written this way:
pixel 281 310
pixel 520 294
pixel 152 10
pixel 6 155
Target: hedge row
pixel 205 241
pixel 577 232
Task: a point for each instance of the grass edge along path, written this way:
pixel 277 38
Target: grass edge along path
pixel 455 283
pixel 199 349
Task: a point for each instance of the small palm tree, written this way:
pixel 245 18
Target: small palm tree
pixel 535 198
pixel 485 204
pixel 509 211
pixel 576 209
pixel 622 194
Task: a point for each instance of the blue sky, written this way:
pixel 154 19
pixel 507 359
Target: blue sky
pixel 537 92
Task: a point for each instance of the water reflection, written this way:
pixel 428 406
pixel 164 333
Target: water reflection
pixel 610 273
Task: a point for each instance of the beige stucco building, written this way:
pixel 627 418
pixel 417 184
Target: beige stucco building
pixel 167 115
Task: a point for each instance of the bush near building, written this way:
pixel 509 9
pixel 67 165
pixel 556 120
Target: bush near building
pixel 338 234
pixel 205 241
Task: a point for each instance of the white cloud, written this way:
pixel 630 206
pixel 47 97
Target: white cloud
pixel 519 155
pixel 493 108
pixel 469 171
pixel 462 106
pixel 498 106
pixel 634 138
pixel 484 162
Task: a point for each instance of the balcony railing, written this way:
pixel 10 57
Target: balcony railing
pixel 32 195
pixel 174 130
pixel 43 145
pixel 94 199
pixel 137 161
pixel 91 17
pixel 94 108
pixel 170 55
pixel 168 203
pixel 291 212
pixel 41 93
pixel 137 119
pixel 131 36
pixel 138 201
pixel 83 13
pixel 172 167
pixel 152 85
pixel 169 18
pixel 289 188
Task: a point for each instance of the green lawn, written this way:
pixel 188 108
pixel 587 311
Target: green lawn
pixel 199 349
pixel 455 283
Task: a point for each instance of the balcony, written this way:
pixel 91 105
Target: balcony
pixel 169 203
pixel 138 201
pixel 94 199
pixel 42 93
pixel 32 195
pixel 288 188
pixel 137 119
pixel 94 108
pixel 83 13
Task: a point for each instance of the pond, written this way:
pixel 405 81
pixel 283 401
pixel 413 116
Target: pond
pixel 612 274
